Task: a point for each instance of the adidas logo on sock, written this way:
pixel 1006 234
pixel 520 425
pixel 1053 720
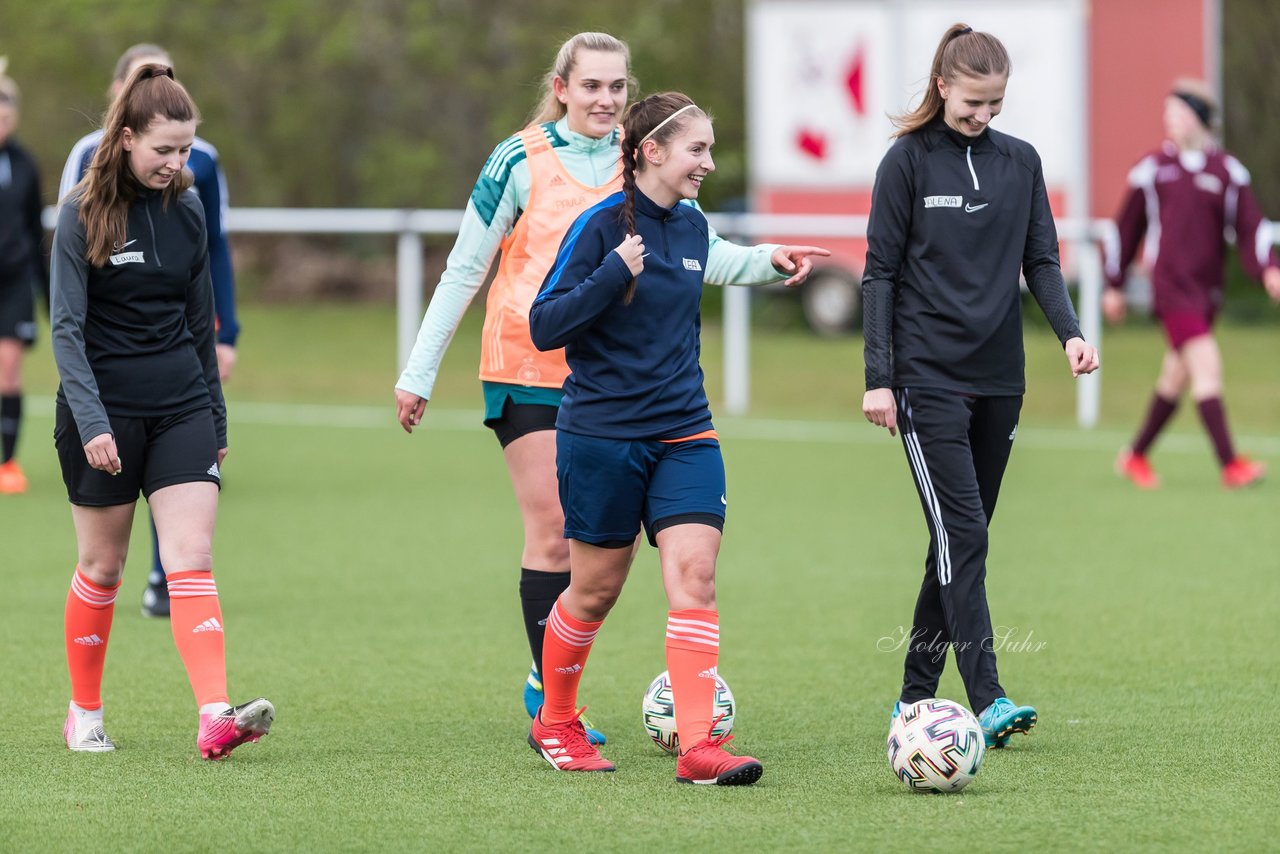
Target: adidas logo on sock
pixel 709 673
pixel 90 640
pixel 573 668
pixel 209 625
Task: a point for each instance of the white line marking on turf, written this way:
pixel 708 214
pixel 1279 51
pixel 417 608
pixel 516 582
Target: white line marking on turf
pixel 330 417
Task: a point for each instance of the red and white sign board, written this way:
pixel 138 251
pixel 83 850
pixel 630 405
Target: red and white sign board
pixel 824 76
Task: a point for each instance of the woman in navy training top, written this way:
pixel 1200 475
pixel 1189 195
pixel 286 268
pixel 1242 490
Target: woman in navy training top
pixel 635 443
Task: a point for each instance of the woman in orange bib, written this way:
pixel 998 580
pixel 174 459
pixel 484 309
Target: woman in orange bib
pixel 532 188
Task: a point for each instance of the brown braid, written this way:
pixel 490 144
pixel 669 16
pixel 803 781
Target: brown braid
pixel 641 119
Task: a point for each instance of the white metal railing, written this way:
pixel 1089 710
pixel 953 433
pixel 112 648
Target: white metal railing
pixel 410 226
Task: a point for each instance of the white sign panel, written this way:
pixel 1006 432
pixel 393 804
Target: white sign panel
pixel 824 76
pixel 816 73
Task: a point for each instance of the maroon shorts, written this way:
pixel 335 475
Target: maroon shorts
pixel 1181 326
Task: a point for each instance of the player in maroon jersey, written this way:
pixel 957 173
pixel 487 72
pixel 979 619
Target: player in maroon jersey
pixel 1187 200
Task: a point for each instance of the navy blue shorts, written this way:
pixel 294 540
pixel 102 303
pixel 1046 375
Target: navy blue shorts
pixel 610 487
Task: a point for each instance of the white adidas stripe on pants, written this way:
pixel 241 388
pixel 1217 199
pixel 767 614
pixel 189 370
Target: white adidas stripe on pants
pixel 920 469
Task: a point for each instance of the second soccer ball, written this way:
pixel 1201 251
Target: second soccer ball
pixel 660 714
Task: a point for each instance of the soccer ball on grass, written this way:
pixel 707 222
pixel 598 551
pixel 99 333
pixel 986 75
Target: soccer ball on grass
pixel 935 746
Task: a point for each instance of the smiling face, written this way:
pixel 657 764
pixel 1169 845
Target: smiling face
pixel 595 93
pixel 157 155
pixel 970 103
pixel 675 170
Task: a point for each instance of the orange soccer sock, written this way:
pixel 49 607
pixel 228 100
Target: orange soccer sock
pixel 693 650
pixel 196 619
pixel 564 653
pixel 87 624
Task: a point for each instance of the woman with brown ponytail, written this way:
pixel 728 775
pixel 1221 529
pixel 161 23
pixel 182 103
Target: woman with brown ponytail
pixel 532 188
pixel 634 439
pixel 958 212
pixel 140 406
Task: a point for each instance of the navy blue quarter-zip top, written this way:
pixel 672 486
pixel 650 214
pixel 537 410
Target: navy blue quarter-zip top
pixel 634 368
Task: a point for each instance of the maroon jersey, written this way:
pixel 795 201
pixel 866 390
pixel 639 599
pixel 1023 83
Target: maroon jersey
pixel 1184 208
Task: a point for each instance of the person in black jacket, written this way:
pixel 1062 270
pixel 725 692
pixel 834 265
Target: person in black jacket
pixel 140 405
pixel 22 268
pixel 958 210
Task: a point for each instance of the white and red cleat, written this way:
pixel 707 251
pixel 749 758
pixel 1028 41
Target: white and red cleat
pixel 86 736
pixel 565 746
pixel 222 733
pixel 708 763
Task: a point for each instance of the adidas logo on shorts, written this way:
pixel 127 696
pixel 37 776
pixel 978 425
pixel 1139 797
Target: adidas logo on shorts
pixel 209 625
pixel 213 470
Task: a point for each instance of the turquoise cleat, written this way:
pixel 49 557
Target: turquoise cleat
pixel 533 702
pixel 897 710
pixel 533 692
pixel 1002 719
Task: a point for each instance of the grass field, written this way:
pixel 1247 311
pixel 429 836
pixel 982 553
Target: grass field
pixel 368 581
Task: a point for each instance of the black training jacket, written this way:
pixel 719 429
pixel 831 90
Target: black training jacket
pixel 21 232
pixel 954 219
pixel 134 337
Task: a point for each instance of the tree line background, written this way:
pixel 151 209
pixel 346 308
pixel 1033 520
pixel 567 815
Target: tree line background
pixel 397 103
pixel 359 103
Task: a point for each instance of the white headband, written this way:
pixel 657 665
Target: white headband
pixel 663 123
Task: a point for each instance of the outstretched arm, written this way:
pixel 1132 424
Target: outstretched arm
pixel 499 194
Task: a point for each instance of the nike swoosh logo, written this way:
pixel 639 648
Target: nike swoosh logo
pixel 130 243
pixel 972 208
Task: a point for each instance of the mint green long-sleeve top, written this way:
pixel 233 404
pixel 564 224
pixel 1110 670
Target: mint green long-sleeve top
pixel 499 198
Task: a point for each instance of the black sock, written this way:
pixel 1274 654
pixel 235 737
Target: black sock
pixel 10 418
pixel 538 592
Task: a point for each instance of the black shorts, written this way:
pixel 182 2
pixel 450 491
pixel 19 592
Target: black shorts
pixel 17 308
pixel 521 419
pixel 154 453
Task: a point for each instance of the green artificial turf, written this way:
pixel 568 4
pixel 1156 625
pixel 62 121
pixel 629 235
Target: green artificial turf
pixel 369 587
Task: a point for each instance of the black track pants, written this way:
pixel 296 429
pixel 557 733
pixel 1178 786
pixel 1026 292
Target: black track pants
pixel 957 447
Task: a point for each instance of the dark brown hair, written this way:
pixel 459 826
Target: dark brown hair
pixel 109 185
pixel 962 52
pixel 654 112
